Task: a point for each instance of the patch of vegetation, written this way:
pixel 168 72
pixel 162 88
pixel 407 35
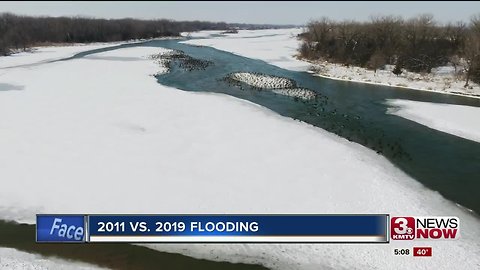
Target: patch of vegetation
pixel 417 44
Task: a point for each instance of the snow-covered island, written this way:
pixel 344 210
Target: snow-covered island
pixel 278 85
pixel 103 122
pixel 262 80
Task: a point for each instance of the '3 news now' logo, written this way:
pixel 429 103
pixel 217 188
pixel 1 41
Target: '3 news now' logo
pixel 425 228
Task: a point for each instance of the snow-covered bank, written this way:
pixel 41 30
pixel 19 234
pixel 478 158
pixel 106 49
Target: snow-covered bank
pixel 279 47
pixel 11 259
pixel 49 53
pixel 442 80
pixel 458 120
pixel 98 135
pixel 42 54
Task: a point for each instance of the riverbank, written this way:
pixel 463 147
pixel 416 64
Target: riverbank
pixel 280 47
pixel 442 80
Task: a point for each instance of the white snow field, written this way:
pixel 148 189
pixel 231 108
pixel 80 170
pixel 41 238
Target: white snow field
pixel 280 47
pixel 458 120
pixel 12 259
pixel 99 135
pixel 275 46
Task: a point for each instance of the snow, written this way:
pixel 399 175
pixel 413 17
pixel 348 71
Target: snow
pixel 280 47
pixel 458 120
pixel 49 53
pixel 262 80
pixel 12 259
pixel 302 93
pixel 274 46
pixel 97 135
pixel 201 34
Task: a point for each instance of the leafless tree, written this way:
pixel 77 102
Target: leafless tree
pixel 417 44
pixel 377 60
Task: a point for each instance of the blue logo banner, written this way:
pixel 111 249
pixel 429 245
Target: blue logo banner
pixel 231 228
pixel 60 228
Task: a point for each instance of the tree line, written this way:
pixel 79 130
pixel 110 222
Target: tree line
pixel 20 32
pixel 417 44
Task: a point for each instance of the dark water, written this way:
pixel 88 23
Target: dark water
pixel 355 111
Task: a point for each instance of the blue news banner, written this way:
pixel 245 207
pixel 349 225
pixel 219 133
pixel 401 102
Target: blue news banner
pixel 213 228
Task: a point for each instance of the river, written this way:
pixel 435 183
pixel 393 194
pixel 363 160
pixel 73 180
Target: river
pixel 355 111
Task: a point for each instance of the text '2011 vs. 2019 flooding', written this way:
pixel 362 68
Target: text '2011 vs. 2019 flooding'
pixel 354 111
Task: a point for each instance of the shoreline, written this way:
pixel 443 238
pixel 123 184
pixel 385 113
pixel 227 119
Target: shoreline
pixel 352 74
pixel 393 86
pixel 43 54
pixel 79 44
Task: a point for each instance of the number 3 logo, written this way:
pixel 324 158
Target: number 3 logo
pixel 402 227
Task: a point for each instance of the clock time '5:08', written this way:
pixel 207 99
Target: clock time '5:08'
pixel 141 226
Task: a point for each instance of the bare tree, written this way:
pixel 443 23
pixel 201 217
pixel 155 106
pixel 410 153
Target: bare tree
pixel 472 51
pixel 377 60
pixel 455 60
pixel 472 56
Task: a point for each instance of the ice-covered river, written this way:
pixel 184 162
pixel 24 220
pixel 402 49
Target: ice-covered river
pixel 354 111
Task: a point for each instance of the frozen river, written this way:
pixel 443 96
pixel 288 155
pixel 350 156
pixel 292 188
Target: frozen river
pixel 354 111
